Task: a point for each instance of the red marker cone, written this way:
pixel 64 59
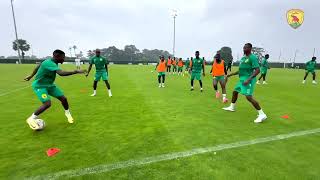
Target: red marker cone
pixel 285 117
pixel 52 151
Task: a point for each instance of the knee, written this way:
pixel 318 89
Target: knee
pixel 47 104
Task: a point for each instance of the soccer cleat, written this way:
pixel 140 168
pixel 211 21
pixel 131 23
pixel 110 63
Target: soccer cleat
pixel 304 81
pixel 261 118
pixel 258 82
pixel 163 86
pixel 92 95
pixel 201 90
pixel 231 109
pixel 191 89
pixel 314 82
pixel 70 118
pixel 217 94
pixel 160 86
pixel 32 123
pixel 225 100
pixel 264 82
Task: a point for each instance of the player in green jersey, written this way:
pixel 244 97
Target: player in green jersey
pixel 101 65
pixel 44 86
pixel 248 70
pixel 310 68
pixel 264 69
pixel 196 67
pixel 187 65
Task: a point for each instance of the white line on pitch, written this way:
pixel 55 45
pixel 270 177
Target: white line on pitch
pixel 165 157
pixel 15 90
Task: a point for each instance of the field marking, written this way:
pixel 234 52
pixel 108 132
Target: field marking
pixel 15 90
pixel 165 157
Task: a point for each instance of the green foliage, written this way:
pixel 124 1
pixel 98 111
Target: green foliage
pixel 226 54
pixel 23 45
pixel 259 52
pixel 130 53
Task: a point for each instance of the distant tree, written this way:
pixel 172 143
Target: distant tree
pixel 226 54
pixel 259 52
pixel 90 53
pixel 22 45
pixel 74 47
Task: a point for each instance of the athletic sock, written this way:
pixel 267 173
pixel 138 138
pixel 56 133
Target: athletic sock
pixel 260 112
pixel 94 91
pixel 109 90
pixel 224 95
pixel 33 116
pixel 67 111
pixel 233 105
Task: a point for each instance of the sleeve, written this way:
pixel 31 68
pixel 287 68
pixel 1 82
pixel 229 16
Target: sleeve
pixel 190 64
pixel 52 67
pixel 91 61
pixel 254 62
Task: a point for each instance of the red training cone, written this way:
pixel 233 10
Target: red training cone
pixel 285 117
pixel 52 151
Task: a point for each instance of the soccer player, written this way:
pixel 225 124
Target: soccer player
pixel 78 63
pixel 44 87
pixel 186 66
pixel 101 65
pixel 196 67
pixel 229 65
pixel 310 68
pixel 169 65
pixel 248 70
pixel 219 72
pixel 174 65
pixel 264 69
pixel 180 66
pixel 161 68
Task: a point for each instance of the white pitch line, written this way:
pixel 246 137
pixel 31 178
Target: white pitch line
pixel 15 90
pixel 165 157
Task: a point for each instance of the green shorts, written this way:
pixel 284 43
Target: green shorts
pixel 196 76
pixel 101 74
pixel 180 68
pixel 245 90
pixel 263 71
pixel 219 78
pixel 44 94
pixel 310 71
pixel 161 74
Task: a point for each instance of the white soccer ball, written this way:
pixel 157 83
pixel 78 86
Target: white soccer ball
pixel 40 124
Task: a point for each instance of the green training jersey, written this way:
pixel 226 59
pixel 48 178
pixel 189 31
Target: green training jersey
pixel 311 65
pixel 247 65
pixel 264 64
pixel 197 65
pixel 99 62
pixel 187 63
pixel 46 74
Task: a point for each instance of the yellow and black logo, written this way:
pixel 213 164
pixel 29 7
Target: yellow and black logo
pixel 44 96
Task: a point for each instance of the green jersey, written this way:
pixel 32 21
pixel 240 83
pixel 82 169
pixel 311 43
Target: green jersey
pixel 247 65
pixel 99 62
pixel 187 63
pixel 197 65
pixel 46 74
pixel 311 65
pixel 264 64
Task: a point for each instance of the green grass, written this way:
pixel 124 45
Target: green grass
pixel 141 120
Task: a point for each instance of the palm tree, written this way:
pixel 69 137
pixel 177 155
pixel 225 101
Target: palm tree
pixel 70 48
pixel 22 45
pixel 74 49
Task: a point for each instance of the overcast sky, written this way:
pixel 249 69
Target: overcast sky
pixel 204 25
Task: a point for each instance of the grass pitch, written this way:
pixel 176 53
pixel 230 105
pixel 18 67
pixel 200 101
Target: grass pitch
pixel 142 120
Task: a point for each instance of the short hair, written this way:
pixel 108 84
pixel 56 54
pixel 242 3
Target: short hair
pixel 314 57
pixel 249 44
pixel 197 52
pixel 267 55
pixel 58 51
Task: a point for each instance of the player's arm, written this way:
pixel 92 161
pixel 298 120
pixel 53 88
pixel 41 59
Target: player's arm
pixel 106 66
pixel 253 75
pixel 203 68
pixel 225 70
pixel 69 73
pixel 89 69
pixel 233 74
pixel 33 73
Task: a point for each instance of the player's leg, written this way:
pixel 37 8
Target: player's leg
pixel 305 77
pixel 314 78
pixel 215 87
pixel 95 84
pixel 264 78
pixel 234 99
pixel 258 82
pixel 262 116
pixel 163 79
pixel 200 82
pixel 159 80
pixel 224 91
pixel 105 78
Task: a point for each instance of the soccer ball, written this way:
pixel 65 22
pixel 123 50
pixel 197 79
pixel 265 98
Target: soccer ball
pixel 40 124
